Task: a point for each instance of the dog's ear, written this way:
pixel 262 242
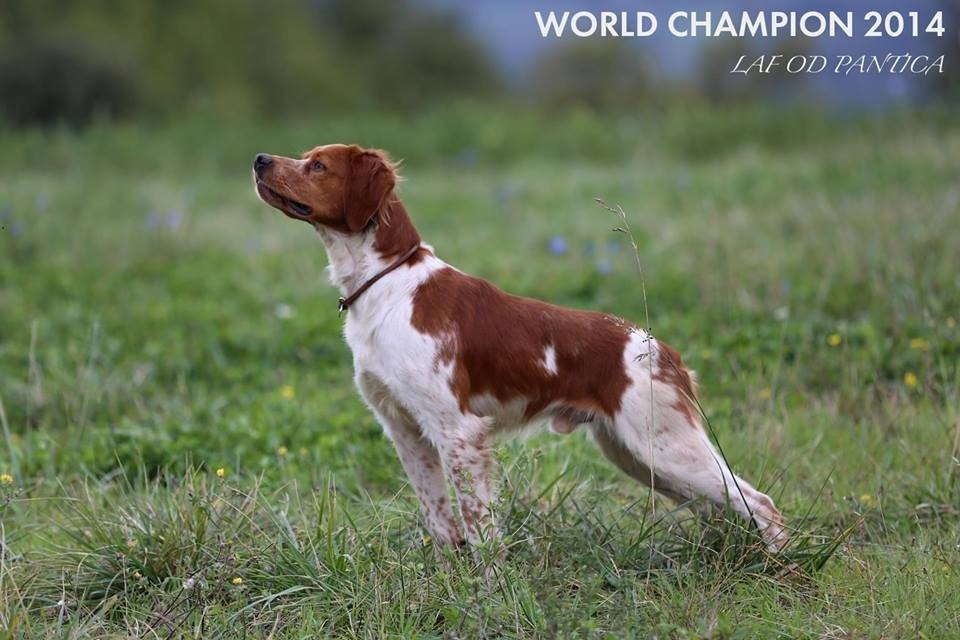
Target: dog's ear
pixel 371 182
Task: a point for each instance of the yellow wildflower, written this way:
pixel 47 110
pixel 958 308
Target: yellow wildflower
pixel 834 339
pixel 237 581
pixel 910 379
pixel 302 451
pixel 288 392
pixel 866 499
pixel 282 451
pixel 764 394
pixel 6 478
pixel 920 344
pixel 221 472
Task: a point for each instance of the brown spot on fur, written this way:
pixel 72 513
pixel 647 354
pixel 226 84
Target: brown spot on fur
pixel 395 232
pixel 496 341
pixel 670 371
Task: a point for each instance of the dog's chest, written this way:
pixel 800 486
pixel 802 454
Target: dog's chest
pixel 380 333
pixel 391 348
pixel 369 336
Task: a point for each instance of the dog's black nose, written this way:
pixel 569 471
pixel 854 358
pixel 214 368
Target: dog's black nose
pixel 261 162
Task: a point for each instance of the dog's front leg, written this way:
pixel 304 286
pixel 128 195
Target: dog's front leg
pixel 420 461
pixel 467 462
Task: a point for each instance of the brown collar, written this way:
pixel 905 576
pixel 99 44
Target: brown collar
pixel 344 303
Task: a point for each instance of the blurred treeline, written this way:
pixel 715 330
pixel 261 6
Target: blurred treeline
pixel 74 61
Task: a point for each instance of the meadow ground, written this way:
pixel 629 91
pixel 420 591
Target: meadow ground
pixel 183 453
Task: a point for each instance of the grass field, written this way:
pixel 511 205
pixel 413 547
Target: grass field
pixel 184 455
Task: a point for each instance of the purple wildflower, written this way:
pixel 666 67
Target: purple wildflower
pixel 174 219
pixel 558 245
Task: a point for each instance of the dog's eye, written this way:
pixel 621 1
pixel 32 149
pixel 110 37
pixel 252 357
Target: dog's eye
pixel 316 165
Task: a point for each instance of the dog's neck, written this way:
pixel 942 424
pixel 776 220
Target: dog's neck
pixel 356 257
pixel 353 260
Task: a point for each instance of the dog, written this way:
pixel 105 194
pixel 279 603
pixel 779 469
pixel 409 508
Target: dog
pixel 446 361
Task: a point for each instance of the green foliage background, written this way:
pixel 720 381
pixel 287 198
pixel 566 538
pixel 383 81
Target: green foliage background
pixel 159 323
pixel 231 58
pixel 182 452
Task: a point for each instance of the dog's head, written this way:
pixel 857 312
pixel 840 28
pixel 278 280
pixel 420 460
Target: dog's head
pixel 338 186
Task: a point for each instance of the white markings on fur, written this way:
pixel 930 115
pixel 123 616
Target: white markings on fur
pixel 685 463
pixel 352 258
pixel 550 360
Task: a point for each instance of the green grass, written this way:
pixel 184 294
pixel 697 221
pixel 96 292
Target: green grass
pixel 155 320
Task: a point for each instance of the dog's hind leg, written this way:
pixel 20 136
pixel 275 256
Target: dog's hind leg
pixel 619 455
pixel 684 465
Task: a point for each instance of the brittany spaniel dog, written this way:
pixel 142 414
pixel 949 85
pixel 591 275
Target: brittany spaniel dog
pixel 446 361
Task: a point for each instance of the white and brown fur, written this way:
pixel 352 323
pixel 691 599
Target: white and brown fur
pixel 447 361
